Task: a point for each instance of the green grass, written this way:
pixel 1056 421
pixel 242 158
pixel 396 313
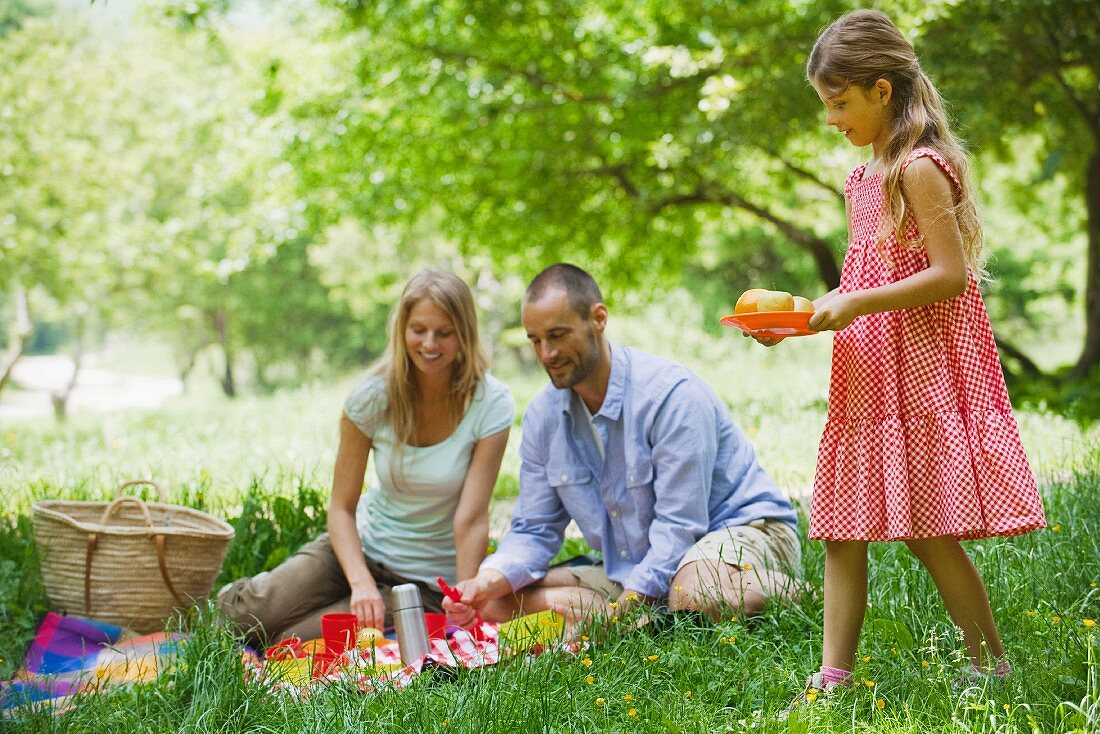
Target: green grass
pixel 264 463
pixel 732 676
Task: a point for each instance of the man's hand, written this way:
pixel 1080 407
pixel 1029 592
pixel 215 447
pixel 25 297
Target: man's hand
pixel 488 585
pixel 630 599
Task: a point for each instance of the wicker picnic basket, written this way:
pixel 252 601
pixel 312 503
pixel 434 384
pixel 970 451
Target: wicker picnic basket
pixel 127 562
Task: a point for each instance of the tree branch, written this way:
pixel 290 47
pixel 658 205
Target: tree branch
pixel 1026 364
pixel 1091 116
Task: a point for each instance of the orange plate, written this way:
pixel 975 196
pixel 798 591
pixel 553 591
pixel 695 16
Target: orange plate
pixel 771 323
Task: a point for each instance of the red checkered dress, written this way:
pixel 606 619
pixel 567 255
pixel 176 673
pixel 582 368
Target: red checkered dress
pixel 920 439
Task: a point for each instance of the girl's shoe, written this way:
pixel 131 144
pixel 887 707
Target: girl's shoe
pixel 975 678
pixel 815 689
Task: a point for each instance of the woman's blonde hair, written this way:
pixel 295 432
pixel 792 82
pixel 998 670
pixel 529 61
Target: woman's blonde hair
pixel 857 50
pixel 451 295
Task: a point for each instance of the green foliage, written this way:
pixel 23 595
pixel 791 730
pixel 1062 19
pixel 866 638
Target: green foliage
pixel 21 589
pixel 271 527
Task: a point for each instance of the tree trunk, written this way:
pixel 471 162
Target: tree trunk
pixel 60 399
pixel 221 328
pixel 1090 355
pixel 21 336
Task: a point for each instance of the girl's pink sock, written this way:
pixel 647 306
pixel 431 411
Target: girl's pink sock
pixel 832 677
pixel 1003 670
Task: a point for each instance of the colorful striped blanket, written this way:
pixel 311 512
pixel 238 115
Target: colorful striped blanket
pixel 72 655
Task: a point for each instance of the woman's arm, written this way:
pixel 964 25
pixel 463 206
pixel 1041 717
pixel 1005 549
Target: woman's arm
pixel 931 201
pixel 471 521
pixel 347 486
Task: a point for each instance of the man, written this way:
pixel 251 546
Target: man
pixel 646 459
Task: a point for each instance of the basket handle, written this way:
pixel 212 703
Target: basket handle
pixel 133 482
pixel 158 539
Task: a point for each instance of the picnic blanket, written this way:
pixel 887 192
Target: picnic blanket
pixel 380 666
pixel 73 655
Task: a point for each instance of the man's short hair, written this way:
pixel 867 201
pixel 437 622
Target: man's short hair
pixel 579 287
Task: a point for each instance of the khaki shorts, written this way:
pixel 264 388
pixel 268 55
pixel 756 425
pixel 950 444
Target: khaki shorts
pixel 762 544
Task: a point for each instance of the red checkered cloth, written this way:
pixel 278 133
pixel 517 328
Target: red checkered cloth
pixel 381 667
pixel 920 440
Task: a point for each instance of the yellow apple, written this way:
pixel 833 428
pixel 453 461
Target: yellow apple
pixel 775 301
pixel 803 304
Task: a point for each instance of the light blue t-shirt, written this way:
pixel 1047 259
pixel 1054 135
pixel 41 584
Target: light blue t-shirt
pixel 409 527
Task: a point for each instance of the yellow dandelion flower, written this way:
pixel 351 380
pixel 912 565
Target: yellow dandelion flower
pixel 600 702
pixel 687 694
pixel 613 604
pixel 1007 708
pixel 746 567
pixel 1056 618
pixel 584 638
pixel 615 619
pixel 590 680
pixel 732 639
pixel 1031 613
pixel 628 697
pixel 866 658
pixel 924 663
pixel 677 587
pixel 811 695
pixel 632 713
pixel 1089 622
pixel 869 683
pixel 652 658
pixel 1092 585
pixel 445 722
pixel 587 662
pixel 632 597
pixel 1056 527
pixel 880 704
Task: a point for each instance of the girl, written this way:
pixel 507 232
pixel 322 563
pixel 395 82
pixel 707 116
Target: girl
pixel 437 423
pixel 920 444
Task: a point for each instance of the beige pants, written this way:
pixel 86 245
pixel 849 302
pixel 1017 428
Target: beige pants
pixel 762 544
pixel 290 599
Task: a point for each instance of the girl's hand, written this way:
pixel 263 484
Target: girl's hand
pixel 767 341
pixel 835 313
pixel 367 605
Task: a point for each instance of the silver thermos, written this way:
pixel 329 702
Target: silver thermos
pixel 408 619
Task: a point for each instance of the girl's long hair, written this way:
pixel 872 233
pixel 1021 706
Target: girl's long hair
pixel 858 49
pixel 451 295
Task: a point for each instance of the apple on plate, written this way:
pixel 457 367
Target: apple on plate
pixel 775 301
pixel 747 303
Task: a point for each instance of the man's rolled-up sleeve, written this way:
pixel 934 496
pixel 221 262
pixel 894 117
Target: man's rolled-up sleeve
pixel 685 446
pixel 539 518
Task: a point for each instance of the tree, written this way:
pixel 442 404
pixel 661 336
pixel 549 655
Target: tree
pixel 1047 82
pixel 623 133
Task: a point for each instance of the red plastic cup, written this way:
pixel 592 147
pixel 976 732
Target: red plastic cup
pixel 437 625
pixel 338 629
pixel 323 663
pixel 285 649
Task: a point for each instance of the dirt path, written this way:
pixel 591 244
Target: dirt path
pixel 96 389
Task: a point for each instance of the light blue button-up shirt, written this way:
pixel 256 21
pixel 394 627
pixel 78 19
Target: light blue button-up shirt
pixel 675 467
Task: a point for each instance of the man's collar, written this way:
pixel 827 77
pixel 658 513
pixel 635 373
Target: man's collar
pixel 612 406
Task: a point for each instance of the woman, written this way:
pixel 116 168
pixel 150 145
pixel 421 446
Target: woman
pixel 437 423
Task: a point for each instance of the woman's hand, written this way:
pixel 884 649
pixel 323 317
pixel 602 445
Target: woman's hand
pixel 367 605
pixel 835 312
